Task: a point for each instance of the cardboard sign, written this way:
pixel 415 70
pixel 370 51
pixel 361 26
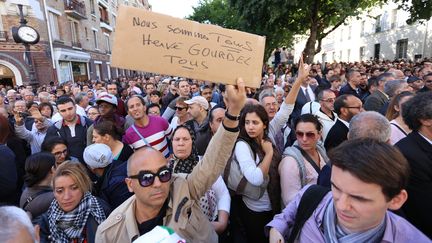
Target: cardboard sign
pixel 162 44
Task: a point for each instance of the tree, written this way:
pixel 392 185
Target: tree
pixel 224 14
pixel 218 12
pixel 316 18
pixel 420 10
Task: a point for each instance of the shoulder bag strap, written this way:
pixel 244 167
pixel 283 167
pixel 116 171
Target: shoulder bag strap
pixel 308 203
pixel 34 196
pixel 141 136
pixel 400 128
pixel 309 159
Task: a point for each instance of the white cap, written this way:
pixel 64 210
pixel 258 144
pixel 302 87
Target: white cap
pixel 160 234
pixel 109 98
pixel 98 155
pixel 198 100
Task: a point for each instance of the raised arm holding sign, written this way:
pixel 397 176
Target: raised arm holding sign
pixel 158 43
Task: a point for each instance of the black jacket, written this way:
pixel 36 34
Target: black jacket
pixel 113 188
pixel 337 134
pixel 417 208
pixel 90 227
pixel 76 144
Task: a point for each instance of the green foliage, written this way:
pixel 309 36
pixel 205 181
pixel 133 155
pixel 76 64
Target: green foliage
pixel 217 12
pixel 420 10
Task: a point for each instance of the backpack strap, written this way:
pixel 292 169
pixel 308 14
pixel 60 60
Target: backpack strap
pixel 34 196
pixel 308 203
pixel 141 136
pixel 309 159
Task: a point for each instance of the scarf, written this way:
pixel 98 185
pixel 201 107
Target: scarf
pixel 208 202
pixel 333 233
pixel 186 165
pixel 67 226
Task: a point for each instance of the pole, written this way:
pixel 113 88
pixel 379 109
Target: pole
pixel 29 61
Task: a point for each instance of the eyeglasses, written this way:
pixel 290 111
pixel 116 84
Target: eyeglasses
pixel 428 81
pixel 180 108
pixel 329 100
pixel 146 178
pixel 354 107
pixel 309 135
pixel 59 153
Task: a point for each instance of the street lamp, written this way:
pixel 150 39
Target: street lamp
pixel 26 35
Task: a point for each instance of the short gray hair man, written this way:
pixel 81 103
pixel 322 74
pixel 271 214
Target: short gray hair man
pixel 16 226
pixel 370 124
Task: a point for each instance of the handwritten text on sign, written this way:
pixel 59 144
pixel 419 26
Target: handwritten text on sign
pixel 158 43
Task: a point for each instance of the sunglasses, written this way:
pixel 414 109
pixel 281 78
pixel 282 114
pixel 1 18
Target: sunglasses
pixel 309 135
pixel 180 108
pixel 146 178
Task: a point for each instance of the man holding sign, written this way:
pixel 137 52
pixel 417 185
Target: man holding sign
pixel 172 199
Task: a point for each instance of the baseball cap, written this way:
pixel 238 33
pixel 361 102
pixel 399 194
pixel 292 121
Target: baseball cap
pixel 412 79
pixel 98 155
pixel 109 98
pixel 198 100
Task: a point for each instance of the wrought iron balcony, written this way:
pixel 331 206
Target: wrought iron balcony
pixel 3 36
pixel 75 9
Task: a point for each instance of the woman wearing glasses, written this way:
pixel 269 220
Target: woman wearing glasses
pixel 304 160
pixel 74 214
pixel 181 114
pixel 57 146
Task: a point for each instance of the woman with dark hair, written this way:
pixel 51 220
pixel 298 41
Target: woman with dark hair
pixel 258 160
pixel 38 195
pixel 107 133
pixel 57 146
pixel 215 204
pixel 303 161
pixel 74 214
pixel 399 129
pixel 8 171
pixel 46 109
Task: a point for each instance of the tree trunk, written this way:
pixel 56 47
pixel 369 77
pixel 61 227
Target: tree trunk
pixel 309 50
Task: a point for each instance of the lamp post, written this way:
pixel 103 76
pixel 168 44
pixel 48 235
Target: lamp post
pixel 27 36
pixel 27 53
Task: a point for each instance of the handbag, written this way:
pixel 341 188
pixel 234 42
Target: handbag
pixel 237 182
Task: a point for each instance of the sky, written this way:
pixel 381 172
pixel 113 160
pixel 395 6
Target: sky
pixel 175 8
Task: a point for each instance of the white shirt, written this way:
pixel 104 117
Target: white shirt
pixel 253 174
pixel 310 92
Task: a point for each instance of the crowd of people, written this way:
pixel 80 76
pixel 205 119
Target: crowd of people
pixel 334 152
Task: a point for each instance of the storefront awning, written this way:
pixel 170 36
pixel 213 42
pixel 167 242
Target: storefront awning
pixel 62 54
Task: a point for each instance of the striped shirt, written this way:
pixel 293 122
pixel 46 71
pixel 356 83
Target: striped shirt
pixel 156 133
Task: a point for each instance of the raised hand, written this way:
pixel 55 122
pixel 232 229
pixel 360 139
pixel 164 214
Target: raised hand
pixel 303 70
pixel 35 113
pixel 236 97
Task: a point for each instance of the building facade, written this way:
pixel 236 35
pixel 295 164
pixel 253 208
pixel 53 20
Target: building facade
pixel 75 44
pixel 381 33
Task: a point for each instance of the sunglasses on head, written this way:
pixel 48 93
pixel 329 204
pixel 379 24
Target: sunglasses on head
pixel 146 178
pixel 180 108
pixel 309 135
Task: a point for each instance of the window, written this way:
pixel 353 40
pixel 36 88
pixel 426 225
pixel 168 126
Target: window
pixel 75 33
pixel 108 46
pixel 348 55
pixel 341 35
pixel 401 48
pixel 340 55
pixel 92 7
pixel 362 53
pixel 349 32
pixel 95 39
pixel 362 28
pixel 103 13
pixel 377 50
pixel 394 18
pixel 53 22
pixel 334 56
pixel 86 33
pixel 378 24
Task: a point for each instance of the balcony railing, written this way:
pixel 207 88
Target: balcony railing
pixel 75 9
pixel 105 20
pixel 3 36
